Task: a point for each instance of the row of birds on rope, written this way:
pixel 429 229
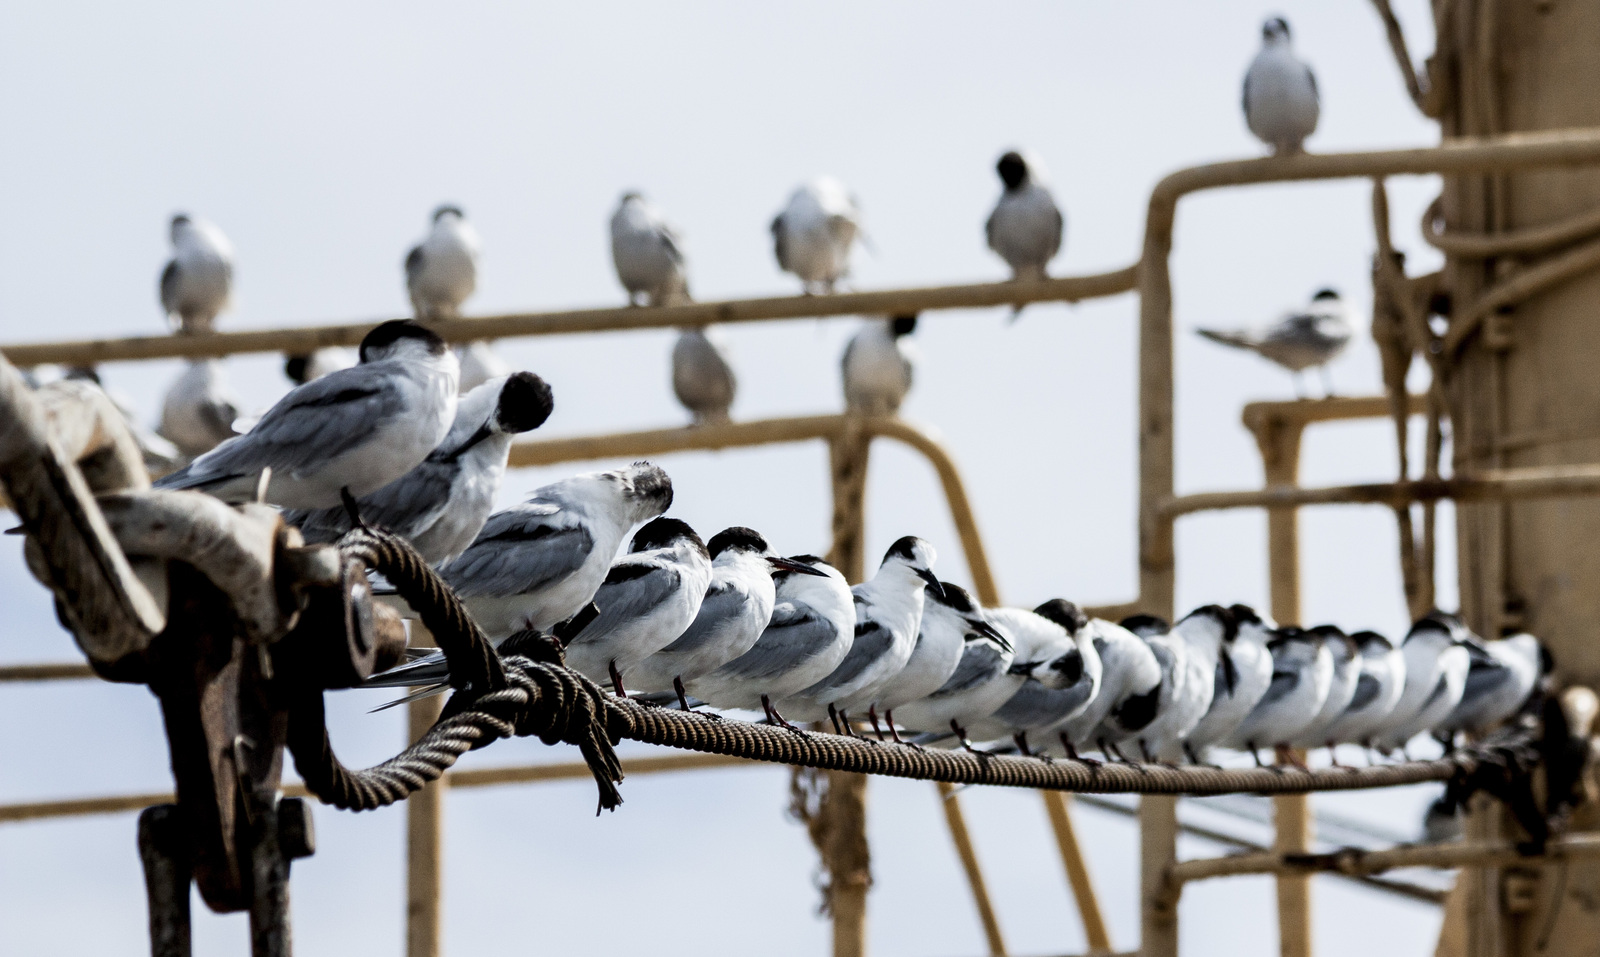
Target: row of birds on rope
pixel 814 236
pixel 732 624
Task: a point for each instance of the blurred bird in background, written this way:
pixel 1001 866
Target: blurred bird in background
pixel 878 366
pixel 1026 228
pixel 815 233
pixel 1302 339
pixel 1281 103
pixel 197 282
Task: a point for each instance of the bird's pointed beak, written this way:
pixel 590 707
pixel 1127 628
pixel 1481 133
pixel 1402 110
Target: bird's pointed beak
pixel 932 580
pixel 992 633
pixel 1023 668
pixel 484 431
pixel 790 565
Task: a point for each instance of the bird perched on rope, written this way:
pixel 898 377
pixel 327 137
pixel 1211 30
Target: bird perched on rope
pixel 351 432
pixel 1281 104
pixel 1244 672
pixel 702 377
pixel 815 233
pixel 648 254
pixel 198 411
pixel 1302 672
pixel 811 630
pixel 538 563
pixel 441 505
pixel 981 682
pixel 877 366
pixel 951 620
pixel 888 618
pixel 1026 227
pixel 1313 336
pixel 442 270
pixel 649 598
pixel 197 282
pixel 1130 683
pixel 1345 677
pixel 1379 684
pixel 1501 677
pixel 737 608
pixel 1437 662
pixel 1058 666
pixel 1188 657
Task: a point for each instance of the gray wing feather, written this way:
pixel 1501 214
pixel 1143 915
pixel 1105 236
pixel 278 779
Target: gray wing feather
pixel 169 287
pixel 723 600
pixel 1366 692
pixel 795 634
pixel 407 506
pixel 635 598
pixel 979 663
pixel 519 550
pixel 1283 682
pixel 315 422
pixel 872 642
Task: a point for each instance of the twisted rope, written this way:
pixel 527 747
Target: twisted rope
pixel 526 690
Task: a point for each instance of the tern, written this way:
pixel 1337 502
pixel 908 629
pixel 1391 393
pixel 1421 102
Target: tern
pixel 537 564
pixel 983 679
pixel 951 621
pixel 1130 683
pixel 350 432
pixel 1501 678
pixel 1302 339
pixel 198 411
pixel 1188 657
pixel 877 366
pixel 649 598
pixel 1059 666
pixel 1341 691
pixel 1244 672
pixel 441 505
pixel 1437 662
pixel 648 254
pixel 888 618
pixel 736 609
pixel 442 270
pixel 811 630
pixel 1281 104
pixel 198 281
pixel 1378 687
pixel 1302 673
pixel 1026 227
pixel 814 234
pixel 702 377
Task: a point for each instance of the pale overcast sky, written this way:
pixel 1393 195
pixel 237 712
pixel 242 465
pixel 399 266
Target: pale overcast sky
pixel 319 137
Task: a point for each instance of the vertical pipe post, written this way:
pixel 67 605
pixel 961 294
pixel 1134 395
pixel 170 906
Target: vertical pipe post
pixel 969 863
pixel 424 841
pixel 1279 442
pixel 847 856
pixel 1158 814
pixel 1158 851
pixel 1058 805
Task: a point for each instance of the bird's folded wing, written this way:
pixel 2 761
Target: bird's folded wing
pixel 795 634
pixel 1367 689
pixel 632 590
pixel 725 601
pixel 407 506
pixel 519 550
pixel 871 643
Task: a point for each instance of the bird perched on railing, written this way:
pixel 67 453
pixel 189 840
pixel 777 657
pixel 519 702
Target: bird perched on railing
pixel 1313 336
pixel 197 282
pixel 1244 672
pixel 814 234
pixel 737 608
pixel 648 599
pixel 442 270
pixel 441 505
pixel 1130 684
pixel 1302 672
pixel 951 621
pixel 1346 676
pixel 702 377
pixel 1026 227
pixel 1188 657
pixel 648 254
pixel 1281 103
pixel 877 366
pixel 811 630
pixel 982 681
pixel 888 617
pixel 198 411
pixel 349 433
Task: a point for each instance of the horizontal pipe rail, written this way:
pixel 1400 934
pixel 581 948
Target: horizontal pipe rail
pixel 472 778
pixel 1507 484
pixel 1354 861
pixel 307 338
pixel 51 671
pixel 1303 412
